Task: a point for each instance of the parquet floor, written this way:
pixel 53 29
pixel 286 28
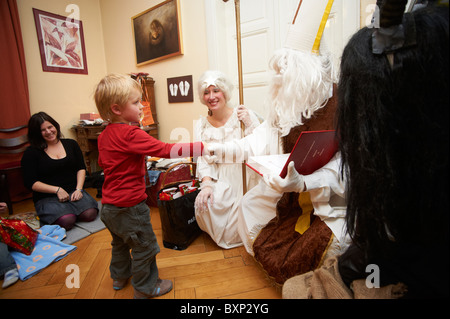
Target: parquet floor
pixel 203 271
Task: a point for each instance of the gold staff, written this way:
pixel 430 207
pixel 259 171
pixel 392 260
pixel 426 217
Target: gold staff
pixel 241 80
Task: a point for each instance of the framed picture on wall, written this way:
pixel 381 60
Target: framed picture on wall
pixel 180 89
pixel 157 33
pixel 61 43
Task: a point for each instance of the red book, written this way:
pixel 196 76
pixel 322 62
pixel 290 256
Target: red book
pixel 312 151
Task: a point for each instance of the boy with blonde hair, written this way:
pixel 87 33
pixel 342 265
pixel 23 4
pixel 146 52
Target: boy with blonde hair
pixel 122 150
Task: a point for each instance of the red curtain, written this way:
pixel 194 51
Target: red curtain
pixel 14 102
pixel 14 96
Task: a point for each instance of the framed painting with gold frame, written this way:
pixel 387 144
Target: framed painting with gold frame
pixel 157 33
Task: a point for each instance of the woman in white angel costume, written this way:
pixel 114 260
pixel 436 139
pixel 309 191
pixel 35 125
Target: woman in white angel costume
pixel 301 87
pixel 222 183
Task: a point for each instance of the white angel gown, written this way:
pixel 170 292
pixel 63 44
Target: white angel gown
pixel 220 220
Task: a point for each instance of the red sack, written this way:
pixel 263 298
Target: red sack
pixel 18 235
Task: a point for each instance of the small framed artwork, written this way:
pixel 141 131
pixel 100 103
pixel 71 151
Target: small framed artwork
pixel 157 33
pixel 180 89
pixel 61 43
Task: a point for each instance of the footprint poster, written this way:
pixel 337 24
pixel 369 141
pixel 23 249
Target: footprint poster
pixel 180 89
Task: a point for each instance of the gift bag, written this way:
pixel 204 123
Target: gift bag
pixel 179 173
pixel 176 209
pixel 18 235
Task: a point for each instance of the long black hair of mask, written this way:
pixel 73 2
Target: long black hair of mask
pixel 393 126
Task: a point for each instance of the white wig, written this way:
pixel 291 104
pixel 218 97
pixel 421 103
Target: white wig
pixel 303 69
pixel 217 79
pixel 301 85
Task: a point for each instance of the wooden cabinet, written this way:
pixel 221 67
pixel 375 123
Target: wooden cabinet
pixel 87 136
pixel 149 84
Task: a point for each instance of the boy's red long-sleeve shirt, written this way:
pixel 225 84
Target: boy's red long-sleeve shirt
pixel 122 150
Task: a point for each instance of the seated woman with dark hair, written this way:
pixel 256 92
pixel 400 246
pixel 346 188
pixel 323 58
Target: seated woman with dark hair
pixel 54 169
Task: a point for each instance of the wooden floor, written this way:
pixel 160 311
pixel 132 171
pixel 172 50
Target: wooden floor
pixel 203 271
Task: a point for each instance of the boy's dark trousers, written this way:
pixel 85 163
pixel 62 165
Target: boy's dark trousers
pixel 130 228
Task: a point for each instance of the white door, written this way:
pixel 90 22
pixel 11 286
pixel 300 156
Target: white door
pixel 264 25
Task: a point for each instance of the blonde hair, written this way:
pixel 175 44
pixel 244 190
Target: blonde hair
pixel 113 89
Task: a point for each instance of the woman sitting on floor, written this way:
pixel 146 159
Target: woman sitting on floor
pixel 222 183
pixel 55 171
